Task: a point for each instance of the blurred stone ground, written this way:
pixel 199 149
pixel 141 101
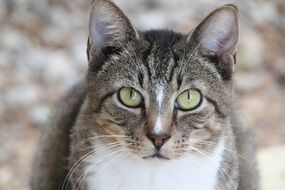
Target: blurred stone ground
pixel 42 54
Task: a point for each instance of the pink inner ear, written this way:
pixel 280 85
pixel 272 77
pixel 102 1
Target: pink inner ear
pixel 108 25
pixel 219 32
pixel 101 34
pixel 102 27
pixel 96 36
pixel 220 41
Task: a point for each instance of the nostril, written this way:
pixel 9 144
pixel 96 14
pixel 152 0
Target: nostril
pixel 164 139
pixel 158 139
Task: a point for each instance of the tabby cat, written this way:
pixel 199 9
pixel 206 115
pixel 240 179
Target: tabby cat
pixel 156 111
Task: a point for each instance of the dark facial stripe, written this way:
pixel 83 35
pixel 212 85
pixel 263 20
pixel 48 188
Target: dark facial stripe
pixel 102 100
pixel 179 80
pixel 217 109
pixel 145 56
pixel 121 124
pixel 176 64
pixel 141 79
pixel 174 116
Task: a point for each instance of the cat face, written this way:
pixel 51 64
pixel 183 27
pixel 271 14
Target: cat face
pixel 160 94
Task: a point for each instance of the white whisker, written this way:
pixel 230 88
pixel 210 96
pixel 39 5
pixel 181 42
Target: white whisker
pixel 83 158
pixel 206 154
pixel 101 158
pixel 95 138
pixel 225 148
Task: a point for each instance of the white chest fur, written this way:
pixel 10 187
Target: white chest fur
pixel 199 173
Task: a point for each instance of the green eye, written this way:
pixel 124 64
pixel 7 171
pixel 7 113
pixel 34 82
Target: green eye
pixel 130 97
pixel 188 100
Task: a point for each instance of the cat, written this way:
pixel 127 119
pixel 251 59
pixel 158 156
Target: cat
pixel 156 111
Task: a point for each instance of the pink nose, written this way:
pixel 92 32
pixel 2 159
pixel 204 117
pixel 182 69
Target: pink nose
pixel 158 140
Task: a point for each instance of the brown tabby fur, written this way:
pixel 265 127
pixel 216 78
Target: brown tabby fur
pixel 144 61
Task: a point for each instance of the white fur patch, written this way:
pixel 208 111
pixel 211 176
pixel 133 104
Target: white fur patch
pixel 159 96
pixel 129 173
pixel 158 126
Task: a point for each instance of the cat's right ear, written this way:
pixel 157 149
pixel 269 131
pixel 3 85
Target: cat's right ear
pixel 108 26
pixel 216 37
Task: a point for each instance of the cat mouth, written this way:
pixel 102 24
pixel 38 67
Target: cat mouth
pixel 156 155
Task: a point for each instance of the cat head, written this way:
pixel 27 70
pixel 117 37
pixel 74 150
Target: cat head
pixel 160 94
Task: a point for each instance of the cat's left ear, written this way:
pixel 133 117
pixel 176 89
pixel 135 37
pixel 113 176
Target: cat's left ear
pixel 108 26
pixel 216 37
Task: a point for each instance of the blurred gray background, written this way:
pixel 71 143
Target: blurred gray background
pixel 42 54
